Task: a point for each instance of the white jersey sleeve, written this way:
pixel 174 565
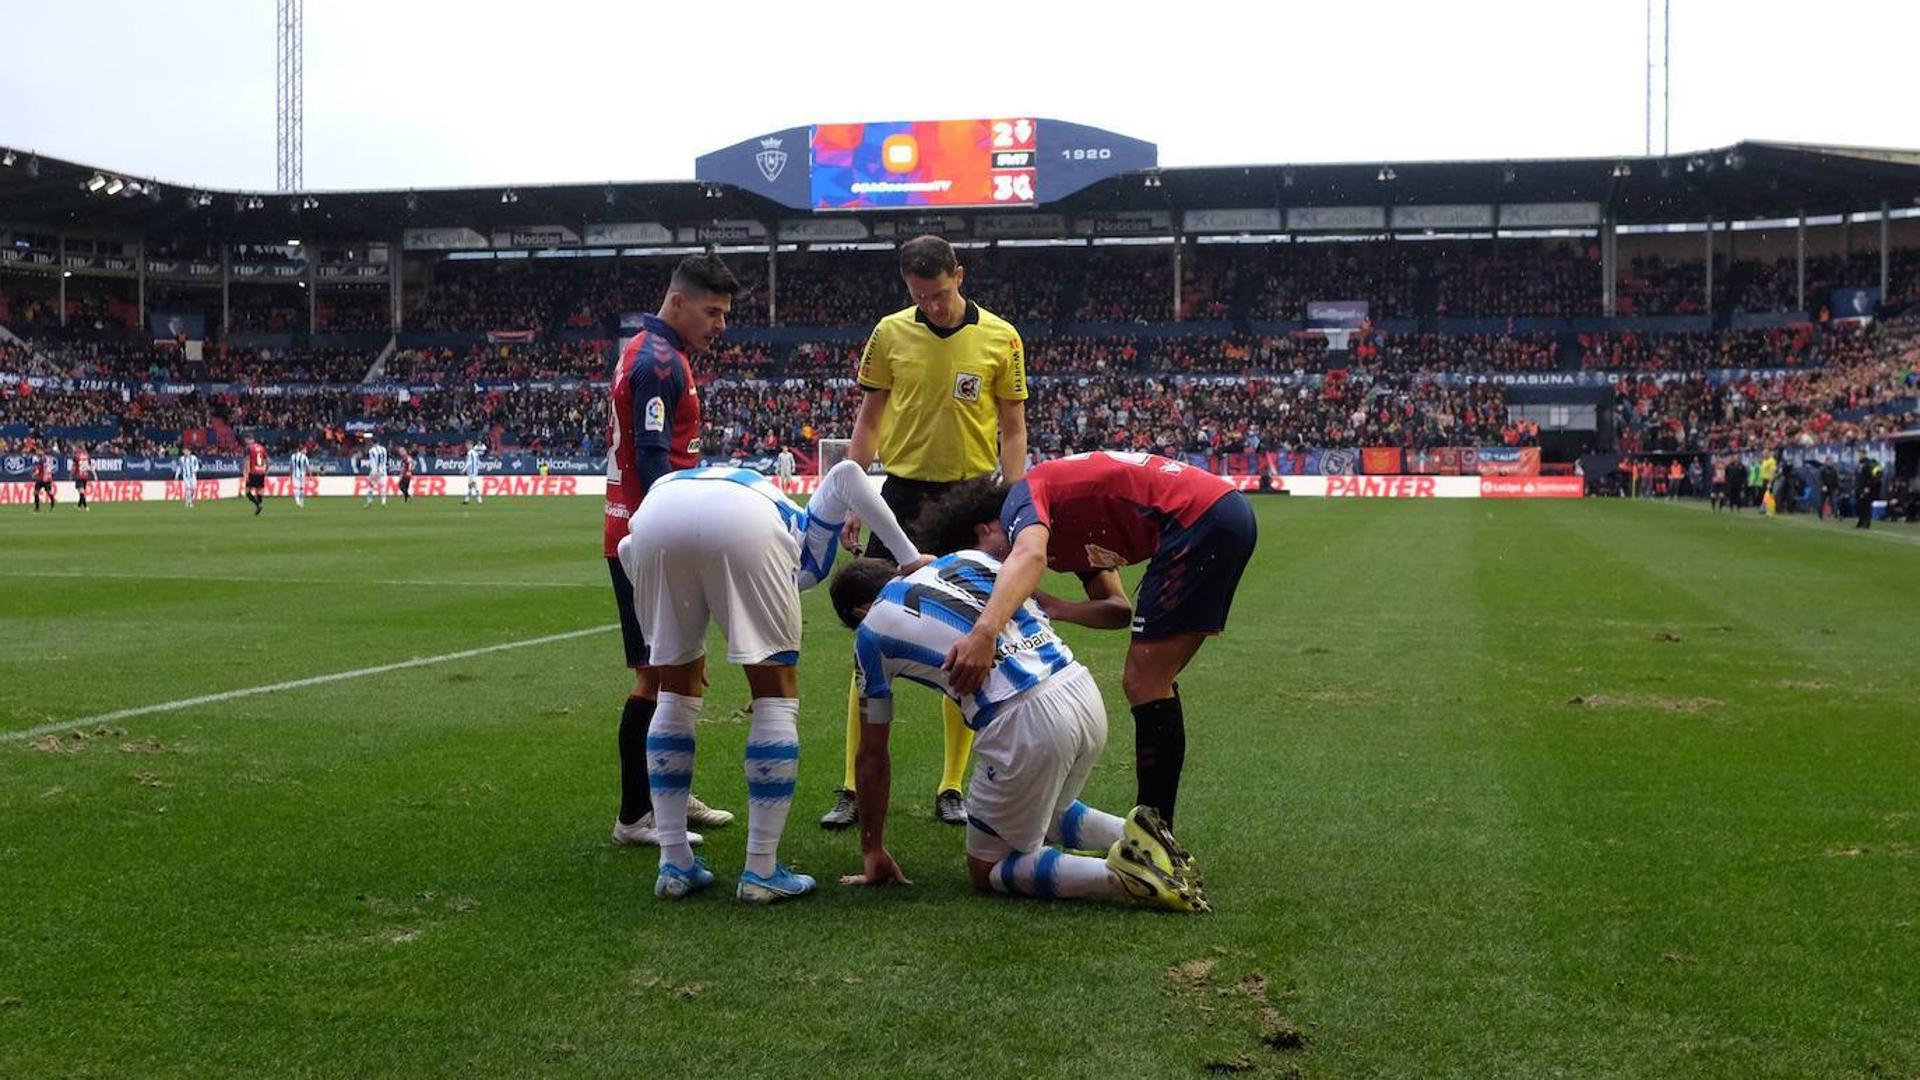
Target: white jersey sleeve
pixel 846 488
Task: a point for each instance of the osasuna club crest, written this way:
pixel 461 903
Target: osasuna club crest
pixel 771 159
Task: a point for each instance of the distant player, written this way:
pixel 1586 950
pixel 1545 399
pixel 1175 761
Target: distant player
pixel 45 468
pixel 475 451
pixel 297 468
pixel 783 468
pixel 82 473
pixel 406 475
pixel 376 472
pixel 725 546
pixel 187 468
pixel 653 429
pixel 256 472
pixel 1090 515
pixel 1039 728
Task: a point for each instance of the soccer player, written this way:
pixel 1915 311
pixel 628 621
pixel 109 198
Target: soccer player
pixel 654 429
pixel 406 475
pixel 475 450
pixel 298 466
pixel 256 469
pixel 187 468
pixel 725 545
pixel 783 468
pixel 44 470
pixel 944 387
pixel 376 472
pixel 1039 728
pixel 1090 514
pixel 82 473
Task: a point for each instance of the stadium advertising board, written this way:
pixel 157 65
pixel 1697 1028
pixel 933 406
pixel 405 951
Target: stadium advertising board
pixel 1509 460
pixel 625 233
pixel 177 326
pixel 1125 223
pixel 1250 219
pixel 816 231
pixel 448 238
pixel 909 164
pixel 1336 314
pixel 1021 225
pixel 1443 217
pixel 1854 303
pixel 536 236
pixel 1532 487
pixel 1549 215
pixel 723 232
pixel 1331 218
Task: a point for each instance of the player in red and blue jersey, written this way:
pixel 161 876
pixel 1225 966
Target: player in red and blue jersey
pixel 1090 514
pixel 655 431
pixel 257 464
pixel 45 467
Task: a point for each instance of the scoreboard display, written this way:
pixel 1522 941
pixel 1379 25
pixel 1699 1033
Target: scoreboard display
pixel 1013 161
pixel 931 163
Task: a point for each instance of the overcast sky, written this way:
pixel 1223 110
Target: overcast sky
pixel 407 93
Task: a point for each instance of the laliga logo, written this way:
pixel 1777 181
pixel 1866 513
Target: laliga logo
pixel 771 159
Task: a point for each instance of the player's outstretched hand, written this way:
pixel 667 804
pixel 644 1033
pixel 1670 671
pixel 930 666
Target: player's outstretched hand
pixel 880 870
pixel 908 568
pixel 969 661
pixel 850 534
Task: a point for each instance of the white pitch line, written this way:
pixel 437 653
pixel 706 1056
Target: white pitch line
pixel 269 579
pixel 296 684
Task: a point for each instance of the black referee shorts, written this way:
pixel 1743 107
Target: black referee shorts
pixel 906 498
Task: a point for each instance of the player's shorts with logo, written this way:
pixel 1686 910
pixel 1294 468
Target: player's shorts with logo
pixel 699 550
pixel 1031 762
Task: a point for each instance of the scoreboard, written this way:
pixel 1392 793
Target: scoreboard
pixel 920 164
pixel 925 163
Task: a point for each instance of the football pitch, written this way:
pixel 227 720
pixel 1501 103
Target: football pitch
pixel 1520 789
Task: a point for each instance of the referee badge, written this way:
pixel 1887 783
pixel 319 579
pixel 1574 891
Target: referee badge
pixel 966 386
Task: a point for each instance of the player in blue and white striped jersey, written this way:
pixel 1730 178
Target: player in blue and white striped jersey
pixel 726 545
pixel 298 465
pixel 1039 726
pixel 376 473
pixel 471 470
pixel 187 468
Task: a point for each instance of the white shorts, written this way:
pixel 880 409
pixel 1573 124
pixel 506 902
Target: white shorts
pixel 1031 763
pixel 700 548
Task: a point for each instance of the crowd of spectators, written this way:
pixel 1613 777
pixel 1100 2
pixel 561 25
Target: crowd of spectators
pixel 1867 390
pixel 1773 347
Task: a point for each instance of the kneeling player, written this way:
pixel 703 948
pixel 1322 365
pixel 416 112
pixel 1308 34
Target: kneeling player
pixel 1039 728
pixel 726 544
pixel 1090 514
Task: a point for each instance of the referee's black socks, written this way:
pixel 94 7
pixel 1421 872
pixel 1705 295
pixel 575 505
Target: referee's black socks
pixel 635 800
pixel 1159 753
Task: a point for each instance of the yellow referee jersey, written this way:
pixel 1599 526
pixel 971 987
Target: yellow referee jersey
pixel 942 421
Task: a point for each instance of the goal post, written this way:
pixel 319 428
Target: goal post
pixel 832 452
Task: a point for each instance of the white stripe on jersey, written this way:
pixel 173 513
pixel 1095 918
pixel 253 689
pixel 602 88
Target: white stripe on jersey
pixel 917 619
pixel 473 461
pixel 376 458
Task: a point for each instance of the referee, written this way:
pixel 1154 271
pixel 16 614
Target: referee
pixel 944 387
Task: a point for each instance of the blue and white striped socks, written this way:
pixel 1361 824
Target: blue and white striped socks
pixel 1082 828
pixel 1050 874
pixel 670 774
pixel 773 762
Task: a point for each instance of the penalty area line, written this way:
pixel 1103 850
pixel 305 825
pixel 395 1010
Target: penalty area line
pixel 298 684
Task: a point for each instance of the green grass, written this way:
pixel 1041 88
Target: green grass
pixel 1423 857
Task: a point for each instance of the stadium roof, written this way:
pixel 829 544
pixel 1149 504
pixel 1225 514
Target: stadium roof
pixel 1748 180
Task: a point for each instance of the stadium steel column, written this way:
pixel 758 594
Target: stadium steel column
pixel 1883 251
pixel 396 263
pixel 1609 239
pixel 1800 262
pixel 313 295
pixel 140 279
pixel 226 287
pixel 1709 267
pixel 1176 277
pixel 773 278
pixel 64 275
